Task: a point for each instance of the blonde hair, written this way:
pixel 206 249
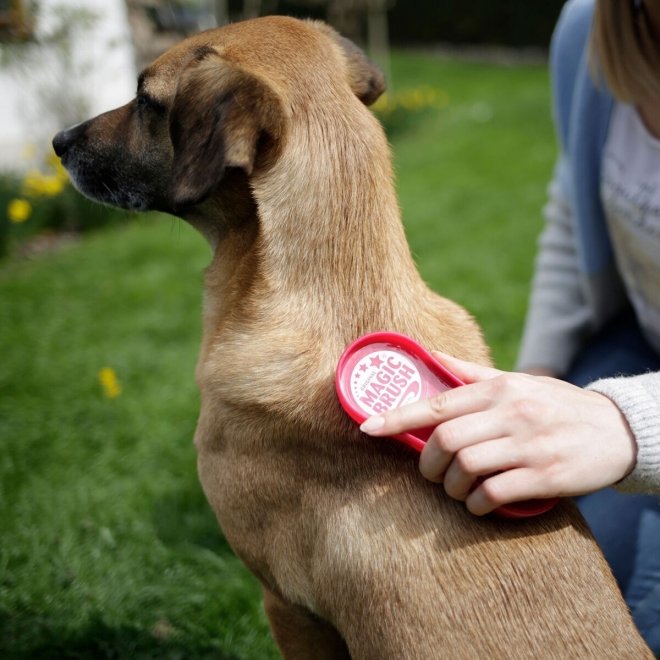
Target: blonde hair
pixel 624 51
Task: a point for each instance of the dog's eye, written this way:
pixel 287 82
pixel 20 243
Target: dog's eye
pixel 145 102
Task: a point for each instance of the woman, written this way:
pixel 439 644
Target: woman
pixel 593 322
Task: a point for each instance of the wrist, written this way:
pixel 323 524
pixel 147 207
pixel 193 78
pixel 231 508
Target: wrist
pixel 624 445
pixel 638 398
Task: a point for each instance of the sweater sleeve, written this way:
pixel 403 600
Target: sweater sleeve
pixel 559 317
pixel 638 398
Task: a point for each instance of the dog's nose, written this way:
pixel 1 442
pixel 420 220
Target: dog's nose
pixel 64 139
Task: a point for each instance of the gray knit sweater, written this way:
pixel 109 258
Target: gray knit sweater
pixel 638 397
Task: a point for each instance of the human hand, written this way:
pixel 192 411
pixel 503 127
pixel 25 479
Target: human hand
pixel 526 436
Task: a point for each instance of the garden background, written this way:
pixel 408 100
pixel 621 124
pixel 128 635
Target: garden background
pixel 108 549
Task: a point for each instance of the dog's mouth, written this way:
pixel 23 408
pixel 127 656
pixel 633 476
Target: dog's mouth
pixel 113 179
pixel 109 184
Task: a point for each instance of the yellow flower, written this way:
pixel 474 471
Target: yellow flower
pixel 412 100
pixel 36 184
pixel 55 164
pixel 52 185
pixel 19 210
pixel 109 383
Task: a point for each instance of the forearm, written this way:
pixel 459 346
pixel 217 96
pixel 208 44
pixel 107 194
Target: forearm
pixel 559 318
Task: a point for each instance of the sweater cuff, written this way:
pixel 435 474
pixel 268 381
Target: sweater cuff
pixel 638 398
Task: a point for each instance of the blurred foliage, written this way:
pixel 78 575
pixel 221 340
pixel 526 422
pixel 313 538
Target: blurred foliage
pixel 507 22
pixel 398 111
pixel 43 201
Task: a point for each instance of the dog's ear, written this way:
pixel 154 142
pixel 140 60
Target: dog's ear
pixel 219 115
pixel 365 78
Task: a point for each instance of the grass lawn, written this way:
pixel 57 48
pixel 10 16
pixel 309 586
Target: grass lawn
pixel 108 549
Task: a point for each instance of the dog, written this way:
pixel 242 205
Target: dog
pixel 259 135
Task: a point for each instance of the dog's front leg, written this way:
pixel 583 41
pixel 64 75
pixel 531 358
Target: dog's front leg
pixel 301 635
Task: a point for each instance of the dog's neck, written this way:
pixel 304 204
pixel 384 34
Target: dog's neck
pixel 330 222
pixel 322 261
pixel 324 240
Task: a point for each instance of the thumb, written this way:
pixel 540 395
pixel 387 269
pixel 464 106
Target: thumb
pixel 468 372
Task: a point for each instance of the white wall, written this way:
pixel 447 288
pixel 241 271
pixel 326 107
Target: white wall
pixel 44 93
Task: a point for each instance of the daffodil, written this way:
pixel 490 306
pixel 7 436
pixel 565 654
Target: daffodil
pixel 109 383
pixel 36 184
pixel 19 210
pixel 55 164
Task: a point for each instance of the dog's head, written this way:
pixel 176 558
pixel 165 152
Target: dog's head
pixel 218 102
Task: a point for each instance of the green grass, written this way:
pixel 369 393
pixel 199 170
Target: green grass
pixel 471 181
pixel 108 549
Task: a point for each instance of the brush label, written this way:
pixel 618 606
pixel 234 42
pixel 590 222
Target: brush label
pixel 383 380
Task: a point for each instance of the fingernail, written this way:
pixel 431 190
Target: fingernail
pixel 372 424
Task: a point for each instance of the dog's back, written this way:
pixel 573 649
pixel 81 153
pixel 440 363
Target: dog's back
pixel 268 149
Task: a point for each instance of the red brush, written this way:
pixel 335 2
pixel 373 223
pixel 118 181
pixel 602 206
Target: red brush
pixel 385 370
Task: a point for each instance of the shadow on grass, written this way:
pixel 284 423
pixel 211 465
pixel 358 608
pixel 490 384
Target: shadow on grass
pixel 185 517
pixel 33 637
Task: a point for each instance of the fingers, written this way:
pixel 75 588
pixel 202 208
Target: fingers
pixel 428 412
pixel 468 372
pixel 477 461
pixel 442 407
pixel 464 435
pixel 514 485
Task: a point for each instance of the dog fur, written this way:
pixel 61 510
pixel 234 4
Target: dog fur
pixel 257 134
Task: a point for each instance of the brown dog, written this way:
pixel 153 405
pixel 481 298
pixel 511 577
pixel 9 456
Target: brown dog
pixel 258 135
